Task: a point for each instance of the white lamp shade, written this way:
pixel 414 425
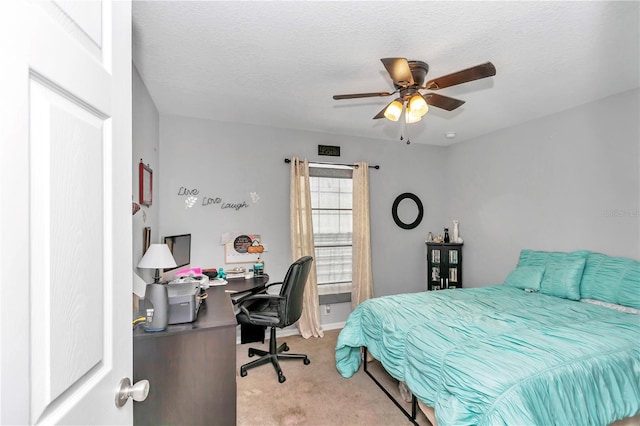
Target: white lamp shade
pixel 157 256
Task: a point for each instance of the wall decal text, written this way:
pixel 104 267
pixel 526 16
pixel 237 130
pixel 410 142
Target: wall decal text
pixel 187 191
pixel 190 200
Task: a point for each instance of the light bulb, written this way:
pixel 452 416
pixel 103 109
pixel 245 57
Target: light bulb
pixel 418 105
pixel 411 117
pixel 394 110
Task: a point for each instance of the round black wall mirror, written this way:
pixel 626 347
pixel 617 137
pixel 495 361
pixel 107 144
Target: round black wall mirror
pixel 394 211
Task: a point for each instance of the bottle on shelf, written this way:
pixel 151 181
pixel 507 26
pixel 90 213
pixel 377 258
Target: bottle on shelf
pixel 446 235
pixel 456 230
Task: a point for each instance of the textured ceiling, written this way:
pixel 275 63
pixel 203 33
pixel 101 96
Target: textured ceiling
pixel 279 63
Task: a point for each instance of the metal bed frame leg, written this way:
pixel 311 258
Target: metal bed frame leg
pixel 414 400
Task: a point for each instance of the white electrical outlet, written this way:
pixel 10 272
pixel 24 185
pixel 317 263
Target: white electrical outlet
pixel 327 309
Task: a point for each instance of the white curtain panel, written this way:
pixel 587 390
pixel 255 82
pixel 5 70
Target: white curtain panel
pixel 302 245
pixel 362 281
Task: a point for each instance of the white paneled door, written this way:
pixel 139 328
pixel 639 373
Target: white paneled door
pixel 65 211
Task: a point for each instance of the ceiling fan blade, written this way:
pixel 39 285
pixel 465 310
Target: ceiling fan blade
pixel 464 76
pixel 443 102
pixel 360 95
pixel 398 69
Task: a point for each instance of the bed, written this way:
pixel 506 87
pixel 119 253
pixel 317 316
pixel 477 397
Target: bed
pixel 530 351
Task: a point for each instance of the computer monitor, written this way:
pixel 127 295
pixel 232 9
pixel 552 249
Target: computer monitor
pixel 180 247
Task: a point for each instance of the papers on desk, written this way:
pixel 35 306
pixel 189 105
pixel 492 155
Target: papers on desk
pixel 217 281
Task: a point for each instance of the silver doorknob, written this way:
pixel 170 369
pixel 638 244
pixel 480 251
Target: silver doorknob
pixel 137 392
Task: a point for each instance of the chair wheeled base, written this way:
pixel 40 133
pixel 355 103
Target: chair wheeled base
pixel 273 355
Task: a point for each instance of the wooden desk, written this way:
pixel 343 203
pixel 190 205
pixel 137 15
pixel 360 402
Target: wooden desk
pixel 192 367
pixel 242 285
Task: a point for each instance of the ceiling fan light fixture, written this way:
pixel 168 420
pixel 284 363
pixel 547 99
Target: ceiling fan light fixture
pixel 394 110
pixel 409 78
pixel 411 117
pixel 417 105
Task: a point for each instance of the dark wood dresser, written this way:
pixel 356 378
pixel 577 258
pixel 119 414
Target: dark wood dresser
pixel 191 368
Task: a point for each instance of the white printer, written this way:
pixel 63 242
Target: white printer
pixel 183 302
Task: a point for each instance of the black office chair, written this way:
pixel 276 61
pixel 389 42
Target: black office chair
pixel 276 311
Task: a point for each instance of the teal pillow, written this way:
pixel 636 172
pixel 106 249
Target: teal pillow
pixel 541 258
pixel 562 279
pixel 525 277
pixel 611 279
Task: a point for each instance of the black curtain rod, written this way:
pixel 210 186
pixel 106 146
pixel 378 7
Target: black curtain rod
pixel 286 160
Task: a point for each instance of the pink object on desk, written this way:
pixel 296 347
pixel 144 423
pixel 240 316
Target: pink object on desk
pixel 189 271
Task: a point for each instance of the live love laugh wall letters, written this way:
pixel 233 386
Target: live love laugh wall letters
pixel 192 195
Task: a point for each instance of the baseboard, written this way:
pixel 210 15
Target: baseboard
pixel 293 330
pixel 334 326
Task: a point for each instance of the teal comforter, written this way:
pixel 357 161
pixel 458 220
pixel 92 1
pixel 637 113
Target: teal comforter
pixel 498 355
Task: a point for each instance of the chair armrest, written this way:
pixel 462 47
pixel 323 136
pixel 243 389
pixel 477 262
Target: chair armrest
pixel 259 296
pixel 269 285
pixel 253 293
pixel 241 299
pixel 262 296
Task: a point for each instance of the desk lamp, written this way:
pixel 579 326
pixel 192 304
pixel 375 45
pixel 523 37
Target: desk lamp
pixel 157 256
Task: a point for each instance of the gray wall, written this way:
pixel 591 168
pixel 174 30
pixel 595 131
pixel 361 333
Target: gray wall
pixel 145 145
pixel 230 161
pixel 564 182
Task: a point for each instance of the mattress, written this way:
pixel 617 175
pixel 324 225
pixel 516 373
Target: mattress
pixel 499 355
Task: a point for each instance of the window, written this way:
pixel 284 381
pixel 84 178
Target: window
pixel 332 215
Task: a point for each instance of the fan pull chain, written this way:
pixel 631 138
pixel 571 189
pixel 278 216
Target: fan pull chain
pixel 402 130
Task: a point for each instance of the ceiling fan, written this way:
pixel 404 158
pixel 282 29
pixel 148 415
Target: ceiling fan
pixel 409 78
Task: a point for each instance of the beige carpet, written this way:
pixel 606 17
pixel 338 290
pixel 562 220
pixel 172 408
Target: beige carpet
pixel 314 394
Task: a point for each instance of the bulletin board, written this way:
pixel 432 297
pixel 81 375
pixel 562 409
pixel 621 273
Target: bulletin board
pixel 236 251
